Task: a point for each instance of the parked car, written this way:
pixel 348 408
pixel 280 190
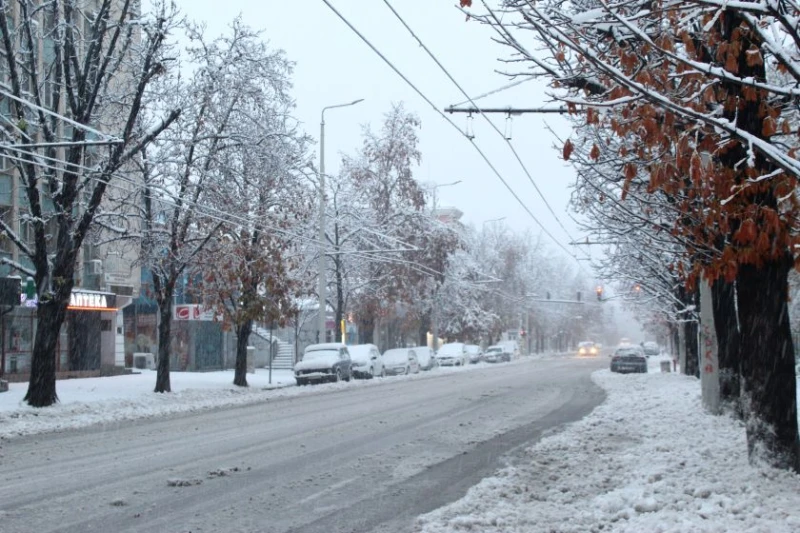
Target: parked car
pixel 587 348
pixel 452 354
pixel 651 348
pixel 629 359
pixel 496 354
pixel 399 361
pixel 425 357
pixel 323 362
pixel 511 347
pixel 474 353
pixel 367 361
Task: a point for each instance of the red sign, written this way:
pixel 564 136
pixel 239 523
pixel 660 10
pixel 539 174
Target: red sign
pixel 192 312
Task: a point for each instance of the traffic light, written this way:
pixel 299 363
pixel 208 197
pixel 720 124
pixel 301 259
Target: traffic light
pixel 579 296
pixel 599 291
pixel 637 289
pixel 548 295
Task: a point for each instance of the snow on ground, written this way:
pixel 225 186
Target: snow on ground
pixel 107 400
pixel 648 459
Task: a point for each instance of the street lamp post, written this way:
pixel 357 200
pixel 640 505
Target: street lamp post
pixel 434 321
pixel 322 281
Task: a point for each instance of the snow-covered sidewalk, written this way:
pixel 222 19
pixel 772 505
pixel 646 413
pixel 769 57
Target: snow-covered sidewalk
pixel 89 401
pixel 649 459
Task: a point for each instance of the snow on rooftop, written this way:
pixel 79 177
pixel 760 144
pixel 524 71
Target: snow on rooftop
pixel 649 459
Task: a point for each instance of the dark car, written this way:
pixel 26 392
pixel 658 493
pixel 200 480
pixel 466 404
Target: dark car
pixel 629 359
pixel 324 362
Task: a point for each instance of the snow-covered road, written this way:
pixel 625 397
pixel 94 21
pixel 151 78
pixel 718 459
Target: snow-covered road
pixel 338 458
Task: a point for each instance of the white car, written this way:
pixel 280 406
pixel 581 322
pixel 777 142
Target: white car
pixel 323 362
pixel 496 354
pixel 425 357
pixel 367 361
pixel 511 347
pixel 474 353
pixel 452 354
pixel 399 361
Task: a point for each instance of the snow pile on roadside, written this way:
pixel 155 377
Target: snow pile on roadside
pixel 648 459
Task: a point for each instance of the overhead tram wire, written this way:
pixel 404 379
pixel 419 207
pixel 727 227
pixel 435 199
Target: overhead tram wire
pixel 472 101
pixel 453 124
pixel 495 91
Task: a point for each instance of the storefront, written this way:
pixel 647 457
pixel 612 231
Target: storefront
pixel 86 340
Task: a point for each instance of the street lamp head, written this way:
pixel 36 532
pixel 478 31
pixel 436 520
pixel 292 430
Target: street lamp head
pixel 354 102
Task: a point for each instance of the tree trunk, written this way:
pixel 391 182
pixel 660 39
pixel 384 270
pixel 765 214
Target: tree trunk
pixel 164 332
pixel 242 338
pixel 366 331
pixel 339 293
pixel 767 362
pixel 676 339
pixel 424 327
pixel 727 329
pixel 692 365
pixel 49 318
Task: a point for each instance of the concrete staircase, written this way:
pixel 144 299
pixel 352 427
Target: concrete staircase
pixel 284 358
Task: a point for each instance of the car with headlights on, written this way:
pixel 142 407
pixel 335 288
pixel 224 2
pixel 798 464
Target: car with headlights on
pixel 628 359
pixel 400 361
pixel 496 354
pixel 367 361
pixel 452 354
pixel 587 348
pixel 323 362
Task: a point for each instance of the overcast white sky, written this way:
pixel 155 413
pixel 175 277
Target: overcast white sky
pixel 334 66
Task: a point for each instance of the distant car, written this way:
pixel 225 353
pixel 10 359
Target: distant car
pixel 425 357
pixel 323 362
pixel 651 348
pixel 400 361
pixel 367 361
pixel 587 348
pixel 474 353
pixel 629 359
pixel 496 354
pixel 452 354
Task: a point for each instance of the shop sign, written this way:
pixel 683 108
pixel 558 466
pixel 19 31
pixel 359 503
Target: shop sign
pixel 192 312
pixel 90 301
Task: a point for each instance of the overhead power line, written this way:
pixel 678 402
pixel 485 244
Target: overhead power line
pixel 478 110
pixel 453 124
pixel 495 91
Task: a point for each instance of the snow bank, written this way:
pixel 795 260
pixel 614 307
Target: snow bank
pixel 648 459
